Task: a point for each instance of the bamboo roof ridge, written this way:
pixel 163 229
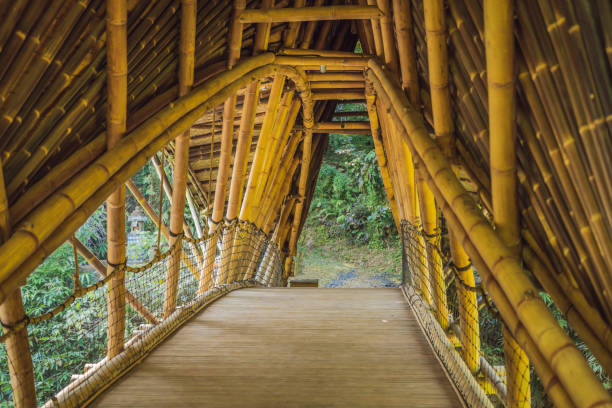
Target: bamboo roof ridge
pixel 255 96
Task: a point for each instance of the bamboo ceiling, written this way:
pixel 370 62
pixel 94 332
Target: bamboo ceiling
pixel 53 107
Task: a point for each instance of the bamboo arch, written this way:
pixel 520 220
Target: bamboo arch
pixel 45 228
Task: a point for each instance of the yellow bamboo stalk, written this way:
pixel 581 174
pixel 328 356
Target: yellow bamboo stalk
pixel 304 169
pixel 406 49
pixel 355 62
pixel 181 156
pixel 556 347
pixel 499 47
pixel 227 137
pixel 381 157
pixel 21 371
pixel 278 15
pixel 378 43
pixel 437 57
pixel 388 36
pixel 116 32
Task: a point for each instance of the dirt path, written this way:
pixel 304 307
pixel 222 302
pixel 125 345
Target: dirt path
pixel 339 264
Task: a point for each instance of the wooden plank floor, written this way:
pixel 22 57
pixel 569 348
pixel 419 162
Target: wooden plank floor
pixel 298 347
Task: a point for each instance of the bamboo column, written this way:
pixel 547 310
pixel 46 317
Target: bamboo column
pixel 227 135
pixel 388 37
pixel 243 147
pixel 181 155
pixel 381 157
pixel 116 54
pixel 499 47
pixel 18 353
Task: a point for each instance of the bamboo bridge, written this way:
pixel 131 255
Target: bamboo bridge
pixel 491 122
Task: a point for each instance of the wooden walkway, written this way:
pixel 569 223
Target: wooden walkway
pixel 296 347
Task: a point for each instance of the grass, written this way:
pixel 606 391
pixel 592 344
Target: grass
pixel 338 262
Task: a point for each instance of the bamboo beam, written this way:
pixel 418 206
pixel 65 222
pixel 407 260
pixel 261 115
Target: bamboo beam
pixel 499 47
pixel 337 85
pixel 93 260
pixel 356 61
pixel 556 348
pixel 335 76
pixel 19 356
pixel 339 95
pixel 341 125
pixel 181 156
pixel 116 21
pixel 278 15
pixel 321 53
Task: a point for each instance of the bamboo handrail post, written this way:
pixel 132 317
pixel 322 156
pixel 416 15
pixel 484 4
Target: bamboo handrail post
pixel 181 155
pixel 21 370
pixel 116 11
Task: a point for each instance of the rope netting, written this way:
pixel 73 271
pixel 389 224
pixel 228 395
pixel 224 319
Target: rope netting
pixel 236 254
pixel 463 325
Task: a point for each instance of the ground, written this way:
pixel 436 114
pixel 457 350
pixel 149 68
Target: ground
pixel 339 263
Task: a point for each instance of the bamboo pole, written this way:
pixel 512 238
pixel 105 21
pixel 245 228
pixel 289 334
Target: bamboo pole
pixel 116 20
pixel 21 370
pixel 181 156
pixel 235 45
pixel 406 49
pixel 243 147
pixel 93 260
pixel 278 15
pixel 499 38
pixel 556 347
pixel 388 36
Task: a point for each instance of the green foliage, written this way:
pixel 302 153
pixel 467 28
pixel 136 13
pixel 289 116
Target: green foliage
pixel 349 199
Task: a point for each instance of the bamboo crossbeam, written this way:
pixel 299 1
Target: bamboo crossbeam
pixel 343 62
pixel 551 341
pixel 335 76
pixel 116 21
pixel 341 125
pixel 278 15
pixel 337 85
pixel 321 53
pixel 340 95
pixel 93 260
pixel 343 131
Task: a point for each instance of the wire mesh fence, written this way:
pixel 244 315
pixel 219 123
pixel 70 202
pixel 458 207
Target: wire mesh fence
pixel 70 342
pixel 462 324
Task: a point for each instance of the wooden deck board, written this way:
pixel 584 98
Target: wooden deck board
pixel 298 347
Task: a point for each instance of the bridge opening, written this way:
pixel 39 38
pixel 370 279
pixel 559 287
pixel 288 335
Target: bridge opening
pixel 349 237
